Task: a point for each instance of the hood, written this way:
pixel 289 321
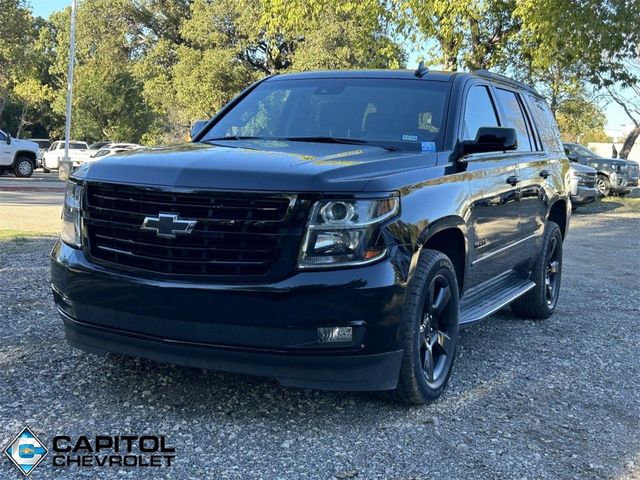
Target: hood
pixel 604 161
pixel 257 165
pixel 577 167
pixel 25 144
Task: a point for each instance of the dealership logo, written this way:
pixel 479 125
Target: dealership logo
pixel 26 451
pixel 168 225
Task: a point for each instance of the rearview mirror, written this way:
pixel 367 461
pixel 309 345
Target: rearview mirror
pixel 197 126
pixel 491 139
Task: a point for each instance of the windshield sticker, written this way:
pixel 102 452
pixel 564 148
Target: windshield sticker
pixel 428 146
pixel 410 138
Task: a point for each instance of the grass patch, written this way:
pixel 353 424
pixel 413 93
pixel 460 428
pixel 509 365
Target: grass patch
pixel 629 204
pixel 20 237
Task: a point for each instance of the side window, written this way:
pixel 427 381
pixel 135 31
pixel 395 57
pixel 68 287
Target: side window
pixel 546 124
pixel 3 137
pixel 515 117
pixel 479 111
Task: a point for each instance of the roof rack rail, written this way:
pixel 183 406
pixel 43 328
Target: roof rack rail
pixel 502 78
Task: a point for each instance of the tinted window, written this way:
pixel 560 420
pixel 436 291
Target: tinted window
pixel 479 111
pixel 545 124
pixel 77 146
pixel 514 117
pixel 44 144
pixel 2 136
pixel 386 110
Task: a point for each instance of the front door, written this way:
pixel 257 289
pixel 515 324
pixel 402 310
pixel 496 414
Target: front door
pixel 6 152
pixel 494 193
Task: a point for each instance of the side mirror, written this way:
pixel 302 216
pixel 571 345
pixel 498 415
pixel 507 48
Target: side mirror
pixel 8 139
pixel 572 157
pixel 197 126
pixel 491 139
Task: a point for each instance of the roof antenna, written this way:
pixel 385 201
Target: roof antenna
pixel 421 71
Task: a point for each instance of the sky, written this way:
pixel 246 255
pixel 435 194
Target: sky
pixel 617 122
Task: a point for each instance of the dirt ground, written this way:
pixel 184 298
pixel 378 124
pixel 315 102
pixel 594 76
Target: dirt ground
pixel 557 399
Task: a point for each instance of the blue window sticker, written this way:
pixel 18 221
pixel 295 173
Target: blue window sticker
pixel 428 146
pixel 410 138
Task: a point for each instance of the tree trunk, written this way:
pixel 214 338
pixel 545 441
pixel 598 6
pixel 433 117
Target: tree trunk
pixel 23 117
pixel 3 102
pixel 629 142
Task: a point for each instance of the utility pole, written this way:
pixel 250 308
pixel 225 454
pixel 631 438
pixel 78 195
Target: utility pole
pixel 64 168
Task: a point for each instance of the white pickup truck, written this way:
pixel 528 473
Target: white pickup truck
pixel 78 153
pixel 16 155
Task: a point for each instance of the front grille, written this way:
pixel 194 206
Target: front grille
pixel 587 179
pixel 237 234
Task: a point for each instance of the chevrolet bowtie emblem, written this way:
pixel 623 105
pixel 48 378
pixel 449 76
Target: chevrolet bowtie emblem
pixel 168 225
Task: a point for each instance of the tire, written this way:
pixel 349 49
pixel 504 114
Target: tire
pixel 603 185
pixel 23 167
pixel 540 302
pixel 429 331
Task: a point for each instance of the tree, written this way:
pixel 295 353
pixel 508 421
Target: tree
pixel 108 100
pixel 16 36
pixel 581 120
pixel 32 96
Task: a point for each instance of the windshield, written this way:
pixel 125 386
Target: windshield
pixel 584 151
pixel 407 113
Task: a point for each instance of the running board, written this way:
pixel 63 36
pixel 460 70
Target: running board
pixel 492 295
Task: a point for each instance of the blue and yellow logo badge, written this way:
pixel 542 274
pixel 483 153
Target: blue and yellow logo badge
pixel 26 451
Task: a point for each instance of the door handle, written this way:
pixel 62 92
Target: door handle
pixel 513 180
pixel 544 173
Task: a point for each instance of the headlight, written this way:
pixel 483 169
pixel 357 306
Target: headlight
pixel 341 232
pixel 71 233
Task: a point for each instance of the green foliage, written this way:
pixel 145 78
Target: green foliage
pixel 581 120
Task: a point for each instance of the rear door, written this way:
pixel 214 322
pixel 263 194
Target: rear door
pixel 533 171
pixel 6 152
pixel 494 192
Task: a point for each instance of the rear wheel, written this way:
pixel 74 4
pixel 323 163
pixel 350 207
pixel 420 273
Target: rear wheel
pixel 23 167
pixel 429 332
pixel 540 302
pixel 603 185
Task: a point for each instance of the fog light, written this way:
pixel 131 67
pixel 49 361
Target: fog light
pixel 335 334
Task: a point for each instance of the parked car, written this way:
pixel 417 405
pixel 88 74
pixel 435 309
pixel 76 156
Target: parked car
pixel 78 153
pixel 613 175
pixel 112 149
pixel 17 156
pixel 583 184
pixel 98 145
pixel 333 230
pixel 44 144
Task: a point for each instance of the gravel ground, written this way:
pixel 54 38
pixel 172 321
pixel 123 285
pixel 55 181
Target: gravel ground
pixel 528 400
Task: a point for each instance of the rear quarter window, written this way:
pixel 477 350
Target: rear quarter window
pixel 546 125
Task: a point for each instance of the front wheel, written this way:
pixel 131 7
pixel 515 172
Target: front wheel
pixel 540 302
pixel 603 185
pixel 23 167
pixel 429 332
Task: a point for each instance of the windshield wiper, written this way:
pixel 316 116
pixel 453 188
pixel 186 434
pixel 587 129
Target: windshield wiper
pixel 348 141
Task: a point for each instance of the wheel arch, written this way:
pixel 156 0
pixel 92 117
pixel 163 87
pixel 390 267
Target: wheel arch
pixel 558 213
pixel 25 153
pixel 447 235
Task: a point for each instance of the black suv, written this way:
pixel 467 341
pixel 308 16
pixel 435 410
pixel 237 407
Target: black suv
pixel 615 176
pixel 332 230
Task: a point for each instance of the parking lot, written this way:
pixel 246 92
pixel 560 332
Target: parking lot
pixel 528 399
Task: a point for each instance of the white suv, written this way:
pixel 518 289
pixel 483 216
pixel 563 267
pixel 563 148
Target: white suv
pixel 18 156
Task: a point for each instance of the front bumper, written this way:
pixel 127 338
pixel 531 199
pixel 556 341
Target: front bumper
pixel 269 330
pixel 584 195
